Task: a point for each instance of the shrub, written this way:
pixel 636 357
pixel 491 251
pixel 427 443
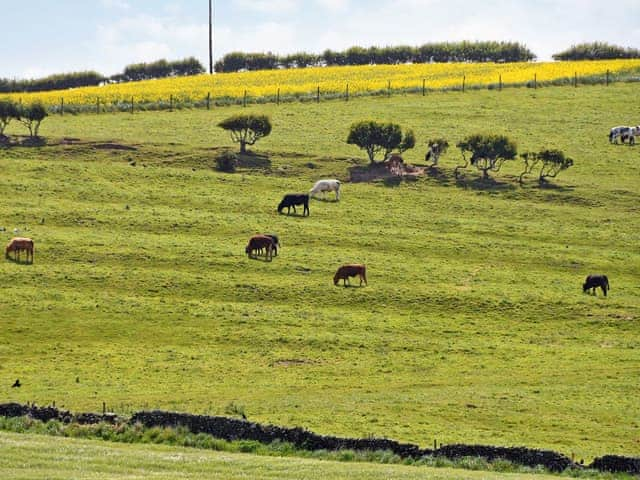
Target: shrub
pixel 227 162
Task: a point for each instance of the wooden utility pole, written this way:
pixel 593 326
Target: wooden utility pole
pixel 210 38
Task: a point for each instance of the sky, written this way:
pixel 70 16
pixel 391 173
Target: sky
pixel 42 37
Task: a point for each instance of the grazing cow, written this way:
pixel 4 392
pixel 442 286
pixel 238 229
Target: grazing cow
pixel 257 243
pixel 276 244
pixel 352 270
pixel 621 132
pixel 594 281
pixel 324 186
pixel 293 199
pixel 17 245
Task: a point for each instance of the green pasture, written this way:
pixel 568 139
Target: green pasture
pixel 473 327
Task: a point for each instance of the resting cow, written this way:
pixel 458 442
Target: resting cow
pixel 257 243
pixel 17 245
pixel 293 199
pixel 352 270
pixel 324 186
pixel 594 281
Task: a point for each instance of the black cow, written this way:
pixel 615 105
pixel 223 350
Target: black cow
pixel 293 199
pixel 594 281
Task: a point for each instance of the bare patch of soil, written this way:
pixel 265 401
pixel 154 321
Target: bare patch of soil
pixel 388 171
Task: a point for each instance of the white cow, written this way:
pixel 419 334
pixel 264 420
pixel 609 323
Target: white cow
pixel 326 185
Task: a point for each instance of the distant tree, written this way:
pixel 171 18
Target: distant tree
pixel 550 162
pixel 596 51
pixel 488 152
pixel 247 129
pixel 375 137
pixel 8 111
pixel 31 116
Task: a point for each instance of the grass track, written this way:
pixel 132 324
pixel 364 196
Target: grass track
pixel 473 328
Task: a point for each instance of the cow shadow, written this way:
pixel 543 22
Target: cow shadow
pixel 18 261
pixel 299 214
pixel 261 258
pixel 326 200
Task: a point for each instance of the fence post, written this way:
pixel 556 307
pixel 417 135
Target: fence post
pixel 423 87
pixel 171 103
pixel 244 99
pixel 607 81
pixel 499 82
pixel 132 105
pixel 535 81
pixel 388 88
pixel 97 105
pixel 347 94
pixel 464 78
pixel 61 105
pixel 278 97
pixel 575 80
pixel 208 100
pixel 318 95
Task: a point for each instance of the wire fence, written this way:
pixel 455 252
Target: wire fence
pixel 131 105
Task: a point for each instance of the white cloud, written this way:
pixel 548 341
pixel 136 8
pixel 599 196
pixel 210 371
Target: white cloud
pixel 118 4
pixel 334 5
pixel 271 36
pixel 145 38
pixel 267 6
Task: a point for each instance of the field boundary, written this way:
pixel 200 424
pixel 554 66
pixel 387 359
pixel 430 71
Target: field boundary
pixel 231 429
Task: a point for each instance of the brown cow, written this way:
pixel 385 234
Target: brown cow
pixel 258 243
pixel 17 245
pixel 346 271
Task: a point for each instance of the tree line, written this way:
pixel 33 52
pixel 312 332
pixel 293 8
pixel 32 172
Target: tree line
pixel 135 72
pixel 596 51
pixel 465 51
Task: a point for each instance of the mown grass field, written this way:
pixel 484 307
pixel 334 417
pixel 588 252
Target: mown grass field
pixel 40 457
pixel 473 327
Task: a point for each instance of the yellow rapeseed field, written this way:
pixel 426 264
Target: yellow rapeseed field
pixel 302 82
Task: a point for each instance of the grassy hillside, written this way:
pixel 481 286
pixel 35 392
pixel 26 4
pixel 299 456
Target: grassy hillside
pixel 473 327
pixel 39 457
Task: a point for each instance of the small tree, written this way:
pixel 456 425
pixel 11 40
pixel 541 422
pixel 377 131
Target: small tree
pixel 488 152
pixel 551 163
pixel 436 148
pixel 375 137
pixel 247 129
pixel 31 116
pixel 8 111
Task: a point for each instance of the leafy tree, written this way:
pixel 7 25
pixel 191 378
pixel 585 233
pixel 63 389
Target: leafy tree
pixel 31 116
pixel 375 137
pixel 596 51
pixel 8 111
pixel 488 152
pixel 247 129
pixel 550 162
